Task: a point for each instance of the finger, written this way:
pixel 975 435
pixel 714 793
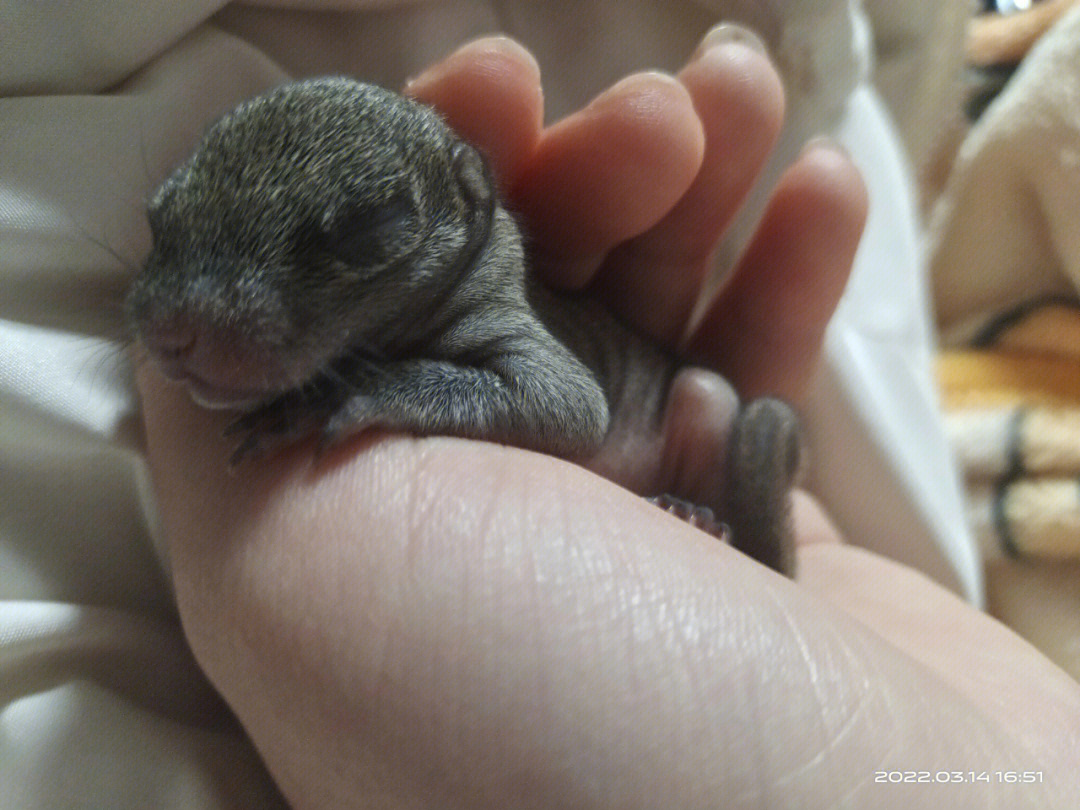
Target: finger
pixel 609 172
pixel 489 92
pixel 765 330
pixel 740 100
pixel 812 525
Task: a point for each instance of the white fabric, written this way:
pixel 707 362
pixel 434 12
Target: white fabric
pixel 919 63
pixel 880 460
pixel 100 704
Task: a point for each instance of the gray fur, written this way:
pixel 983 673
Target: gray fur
pixel 332 258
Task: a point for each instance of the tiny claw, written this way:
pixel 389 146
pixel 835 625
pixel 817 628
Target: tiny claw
pixel 250 447
pixel 265 420
pixel 700 517
pixel 239 425
pixel 337 429
pixel 328 437
pixel 351 417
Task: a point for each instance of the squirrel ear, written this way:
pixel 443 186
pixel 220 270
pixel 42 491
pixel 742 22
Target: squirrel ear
pixel 472 175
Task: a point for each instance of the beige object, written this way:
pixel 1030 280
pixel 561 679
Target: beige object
pixel 919 62
pixel 994 39
pixel 1005 228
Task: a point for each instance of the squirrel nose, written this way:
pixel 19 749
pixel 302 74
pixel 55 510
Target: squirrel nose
pixel 170 338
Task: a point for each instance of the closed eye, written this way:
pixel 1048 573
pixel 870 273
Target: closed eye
pixel 368 234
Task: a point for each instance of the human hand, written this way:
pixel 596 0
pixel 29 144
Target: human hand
pixel 630 196
pixel 432 622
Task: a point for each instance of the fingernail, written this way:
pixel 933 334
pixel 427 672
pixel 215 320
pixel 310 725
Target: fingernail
pixel 422 78
pixel 825 142
pixel 483 51
pixel 729 34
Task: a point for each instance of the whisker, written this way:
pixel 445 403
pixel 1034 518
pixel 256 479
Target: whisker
pixel 100 358
pixel 142 149
pixel 126 263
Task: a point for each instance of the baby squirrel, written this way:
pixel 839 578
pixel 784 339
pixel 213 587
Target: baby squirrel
pixel 333 258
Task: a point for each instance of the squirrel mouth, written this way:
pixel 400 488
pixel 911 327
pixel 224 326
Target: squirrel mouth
pixel 207 394
pixel 226 376
pixel 215 397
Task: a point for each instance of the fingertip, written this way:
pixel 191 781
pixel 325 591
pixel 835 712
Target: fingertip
pixel 648 95
pixel 752 88
pixel 811 229
pixel 825 171
pixel 819 211
pixel 489 92
pixel 492 54
pixel 766 329
pixel 613 169
pixel 739 100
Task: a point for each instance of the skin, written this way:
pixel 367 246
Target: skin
pixel 436 622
